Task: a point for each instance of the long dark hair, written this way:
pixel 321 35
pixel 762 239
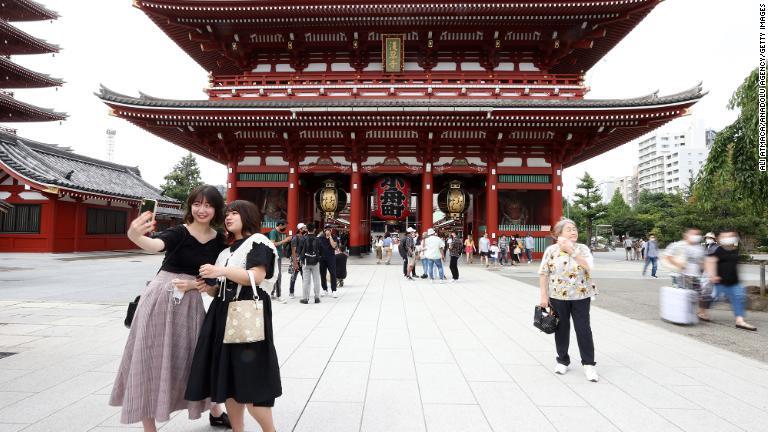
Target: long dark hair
pixel 249 215
pixel 212 196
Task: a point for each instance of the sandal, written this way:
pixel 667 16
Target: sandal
pixel 704 318
pixel 222 420
pixel 746 327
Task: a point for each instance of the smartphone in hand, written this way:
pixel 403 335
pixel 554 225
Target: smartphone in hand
pixel 148 205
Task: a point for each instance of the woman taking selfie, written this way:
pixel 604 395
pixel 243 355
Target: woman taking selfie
pixel 566 286
pixel 240 373
pixel 158 354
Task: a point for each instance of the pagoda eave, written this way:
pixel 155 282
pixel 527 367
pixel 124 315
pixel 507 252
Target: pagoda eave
pixel 12 110
pixel 14 76
pixel 18 42
pixel 25 10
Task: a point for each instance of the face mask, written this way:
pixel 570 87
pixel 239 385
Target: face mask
pixel 695 239
pixel 730 241
pixel 709 241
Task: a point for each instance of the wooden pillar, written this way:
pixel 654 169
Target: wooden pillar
pixel 231 180
pixel 293 197
pixel 491 201
pixel 78 229
pixel 426 198
pixel 556 197
pixel 355 211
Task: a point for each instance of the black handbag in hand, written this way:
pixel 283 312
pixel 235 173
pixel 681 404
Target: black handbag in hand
pixel 135 303
pixel 544 320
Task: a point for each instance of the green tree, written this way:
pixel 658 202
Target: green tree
pixel 588 201
pixel 617 208
pixel 184 177
pixel 734 155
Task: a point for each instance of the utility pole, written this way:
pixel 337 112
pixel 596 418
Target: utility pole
pixel 111 144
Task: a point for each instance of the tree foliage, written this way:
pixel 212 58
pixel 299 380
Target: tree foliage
pixel 589 203
pixel 184 177
pixel 733 158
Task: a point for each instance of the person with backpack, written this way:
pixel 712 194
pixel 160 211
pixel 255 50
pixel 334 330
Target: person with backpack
pixel 308 252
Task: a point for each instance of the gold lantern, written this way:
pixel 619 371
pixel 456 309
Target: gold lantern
pixel 453 200
pixel 330 198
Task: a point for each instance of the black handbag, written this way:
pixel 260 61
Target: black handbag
pixel 545 320
pixel 131 311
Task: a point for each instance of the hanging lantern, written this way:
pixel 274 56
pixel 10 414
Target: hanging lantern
pixel 330 199
pixel 453 200
pixel 393 198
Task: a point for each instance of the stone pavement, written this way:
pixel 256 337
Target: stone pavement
pixel 395 355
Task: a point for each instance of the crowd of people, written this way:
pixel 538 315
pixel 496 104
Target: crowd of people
pixel 179 355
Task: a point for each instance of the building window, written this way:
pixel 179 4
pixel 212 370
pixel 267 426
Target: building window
pixel 103 221
pixel 21 218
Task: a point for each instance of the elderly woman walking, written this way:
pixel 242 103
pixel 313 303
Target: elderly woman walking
pixel 566 287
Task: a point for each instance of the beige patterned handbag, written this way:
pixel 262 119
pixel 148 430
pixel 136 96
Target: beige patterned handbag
pixel 245 318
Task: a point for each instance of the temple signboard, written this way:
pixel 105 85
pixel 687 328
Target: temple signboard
pixel 393 53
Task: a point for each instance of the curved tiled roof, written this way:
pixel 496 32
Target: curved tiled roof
pixel 25 10
pixel 13 75
pixel 53 166
pixel 19 42
pixel 651 100
pixel 12 110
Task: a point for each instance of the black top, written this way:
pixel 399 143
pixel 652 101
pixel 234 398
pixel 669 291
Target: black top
pixel 325 245
pixel 184 254
pixel 727 262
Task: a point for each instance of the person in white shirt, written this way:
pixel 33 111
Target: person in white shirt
pixel 484 245
pixel 494 253
pixel 433 253
pixel 529 246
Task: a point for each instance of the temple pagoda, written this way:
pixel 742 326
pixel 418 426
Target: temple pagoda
pixel 402 107
pixel 52 199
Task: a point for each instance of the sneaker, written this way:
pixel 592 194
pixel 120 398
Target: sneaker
pixel 654 276
pixel 561 369
pixel 317 300
pixel 409 278
pixel 292 296
pixel 591 373
pixel 304 301
pixel 424 276
pixel 282 300
pixel 323 293
pixel 334 295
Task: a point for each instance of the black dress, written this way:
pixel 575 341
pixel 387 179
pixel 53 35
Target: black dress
pixel 247 373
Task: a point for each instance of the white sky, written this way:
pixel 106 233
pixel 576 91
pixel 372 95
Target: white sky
pixel 108 41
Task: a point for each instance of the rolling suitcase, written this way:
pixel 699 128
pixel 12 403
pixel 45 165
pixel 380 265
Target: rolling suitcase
pixel 679 304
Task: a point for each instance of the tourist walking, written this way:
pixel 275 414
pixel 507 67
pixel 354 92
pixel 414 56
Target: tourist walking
pixel 627 248
pixel 341 266
pixel 503 249
pixel 469 249
pixel 379 247
pixel 301 231
pixel 565 285
pixel 710 243
pixel 494 253
pixel 410 252
pixel 722 267
pixel 516 249
pixel 309 252
pixel 386 247
pixel 484 246
pixel 434 253
pixel 529 244
pixel 421 250
pixel 282 242
pixel 651 253
pixel 455 252
pixel 242 375
pixel 169 316
pixel 328 243
pixel 686 258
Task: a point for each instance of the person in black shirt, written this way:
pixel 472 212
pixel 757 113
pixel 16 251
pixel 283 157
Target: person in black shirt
pixel 722 267
pixel 169 316
pixel 243 375
pixel 328 243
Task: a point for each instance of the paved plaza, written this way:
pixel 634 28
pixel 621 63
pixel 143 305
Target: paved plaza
pixel 387 355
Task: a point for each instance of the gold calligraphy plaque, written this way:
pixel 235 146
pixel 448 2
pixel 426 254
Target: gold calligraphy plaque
pixel 393 54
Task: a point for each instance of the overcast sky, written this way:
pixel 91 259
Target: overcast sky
pixel 108 41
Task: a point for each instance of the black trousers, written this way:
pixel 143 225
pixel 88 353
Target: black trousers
pixel 578 310
pixel 276 289
pixel 405 266
pixel 454 266
pixel 295 274
pixel 328 265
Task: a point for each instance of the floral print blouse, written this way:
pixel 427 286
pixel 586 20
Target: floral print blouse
pixel 567 279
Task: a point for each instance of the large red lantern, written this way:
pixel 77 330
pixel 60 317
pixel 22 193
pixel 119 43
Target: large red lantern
pixel 393 198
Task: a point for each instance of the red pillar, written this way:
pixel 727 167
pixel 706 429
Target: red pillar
pixel 491 201
pixel 293 197
pixel 231 180
pixel 556 197
pixel 355 210
pixel 426 198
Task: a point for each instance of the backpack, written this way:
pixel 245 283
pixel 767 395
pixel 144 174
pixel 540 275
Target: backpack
pixel 310 253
